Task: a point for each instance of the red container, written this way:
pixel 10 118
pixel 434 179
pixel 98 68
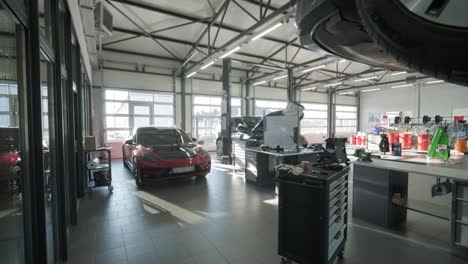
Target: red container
pixel 358 140
pixel 392 138
pixel 423 142
pixel 458 118
pixel 363 140
pixel 406 140
pixel 353 139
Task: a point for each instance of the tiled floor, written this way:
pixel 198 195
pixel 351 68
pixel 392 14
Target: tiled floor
pixel 220 219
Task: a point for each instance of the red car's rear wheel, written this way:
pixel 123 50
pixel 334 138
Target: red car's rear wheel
pixel 137 175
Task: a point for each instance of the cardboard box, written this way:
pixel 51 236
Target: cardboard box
pixel 90 143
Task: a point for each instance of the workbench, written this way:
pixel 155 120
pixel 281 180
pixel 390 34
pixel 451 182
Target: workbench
pixel 260 164
pixel 375 182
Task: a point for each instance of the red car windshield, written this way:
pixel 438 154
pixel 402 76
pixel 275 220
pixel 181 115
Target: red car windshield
pixel 158 137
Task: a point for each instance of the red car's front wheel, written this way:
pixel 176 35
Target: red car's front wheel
pixel 137 176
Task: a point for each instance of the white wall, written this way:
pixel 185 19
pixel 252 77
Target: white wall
pixel 439 99
pixel 435 100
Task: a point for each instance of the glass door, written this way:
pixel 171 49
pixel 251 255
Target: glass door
pixel 207 128
pixel 12 170
pixel 141 114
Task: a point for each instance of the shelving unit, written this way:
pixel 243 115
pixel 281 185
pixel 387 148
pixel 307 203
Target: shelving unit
pixel 95 177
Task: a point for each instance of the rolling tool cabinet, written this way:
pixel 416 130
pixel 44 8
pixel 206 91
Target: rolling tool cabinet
pixel 460 219
pixel 313 211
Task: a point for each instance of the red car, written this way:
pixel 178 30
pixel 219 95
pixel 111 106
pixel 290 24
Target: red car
pixel 156 153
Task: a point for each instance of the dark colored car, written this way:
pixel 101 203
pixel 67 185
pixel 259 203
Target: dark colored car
pixel 155 153
pixel 428 36
pixel 241 127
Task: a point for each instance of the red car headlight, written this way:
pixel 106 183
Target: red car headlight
pixel 148 157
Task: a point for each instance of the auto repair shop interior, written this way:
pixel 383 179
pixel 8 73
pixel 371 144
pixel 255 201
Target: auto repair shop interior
pixel 233 131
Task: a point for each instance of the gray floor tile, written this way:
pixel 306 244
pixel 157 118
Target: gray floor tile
pixel 223 220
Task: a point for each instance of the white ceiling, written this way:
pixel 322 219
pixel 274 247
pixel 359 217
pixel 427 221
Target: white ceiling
pixel 235 17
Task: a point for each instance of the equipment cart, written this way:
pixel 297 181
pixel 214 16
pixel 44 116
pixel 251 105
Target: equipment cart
pixel 312 226
pixel 99 169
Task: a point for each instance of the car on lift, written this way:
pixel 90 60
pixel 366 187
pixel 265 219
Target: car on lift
pixel 241 128
pixel 161 153
pixel 428 36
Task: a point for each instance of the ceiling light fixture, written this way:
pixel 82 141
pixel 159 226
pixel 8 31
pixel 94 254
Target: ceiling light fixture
pixel 190 75
pixel 332 84
pixel 434 82
pixel 346 93
pixel 314 68
pixel 258 83
pixel 366 79
pixel 341 61
pixel 230 52
pixel 398 73
pixel 280 77
pixel 207 65
pixel 370 90
pixel 310 88
pixel 267 31
pixel 401 86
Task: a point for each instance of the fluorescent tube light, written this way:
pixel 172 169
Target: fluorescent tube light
pixel 230 52
pixel 366 79
pixel 280 77
pixel 398 73
pixel 314 68
pixel 434 82
pixel 341 61
pixel 310 88
pixel 258 83
pixel 332 84
pixel 370 90
pixel 267 31
pixel 207 65
pixel 190 75
pixel 346 93
pixel 401 86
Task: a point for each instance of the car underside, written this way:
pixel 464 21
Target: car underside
pixel 428 36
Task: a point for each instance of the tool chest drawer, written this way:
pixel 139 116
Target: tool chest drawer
pixel 462 211
pixel 337 207
pixel 338 196
pixel 335 242
pixel 462 192
pixel 461 235
pixel 335 227
pixel 336 183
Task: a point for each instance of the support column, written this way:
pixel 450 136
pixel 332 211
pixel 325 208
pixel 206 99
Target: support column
pixel 292 95
pixel 248 99
pixel 358 104
pixel 331 114
pixel 183 100
pixel 226 112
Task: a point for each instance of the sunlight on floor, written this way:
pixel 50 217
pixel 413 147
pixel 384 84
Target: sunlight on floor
pixel 273 201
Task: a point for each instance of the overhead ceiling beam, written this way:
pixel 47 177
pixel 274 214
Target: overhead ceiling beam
pixel 380 84
pixel 282 13
pixel 159 57
pixel 268 7
pixel 169 12
pixel 182 42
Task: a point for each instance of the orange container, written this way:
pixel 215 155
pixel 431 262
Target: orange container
pixel 392 137
pixel 358 140
pixel 460 145
pixel 423 142
pixel 406 140
pixel 353 139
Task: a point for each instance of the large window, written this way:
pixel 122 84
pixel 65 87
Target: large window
pixel 236 107
pixel 314 123
pixel 346 120
pixel 264 107
pixel 126 110
pixel 8 104
pixel 206 122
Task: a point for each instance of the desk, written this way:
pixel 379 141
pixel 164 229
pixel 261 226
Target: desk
pixel 375 182
pixel 260 165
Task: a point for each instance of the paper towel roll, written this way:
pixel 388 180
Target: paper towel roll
pixel 93 163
